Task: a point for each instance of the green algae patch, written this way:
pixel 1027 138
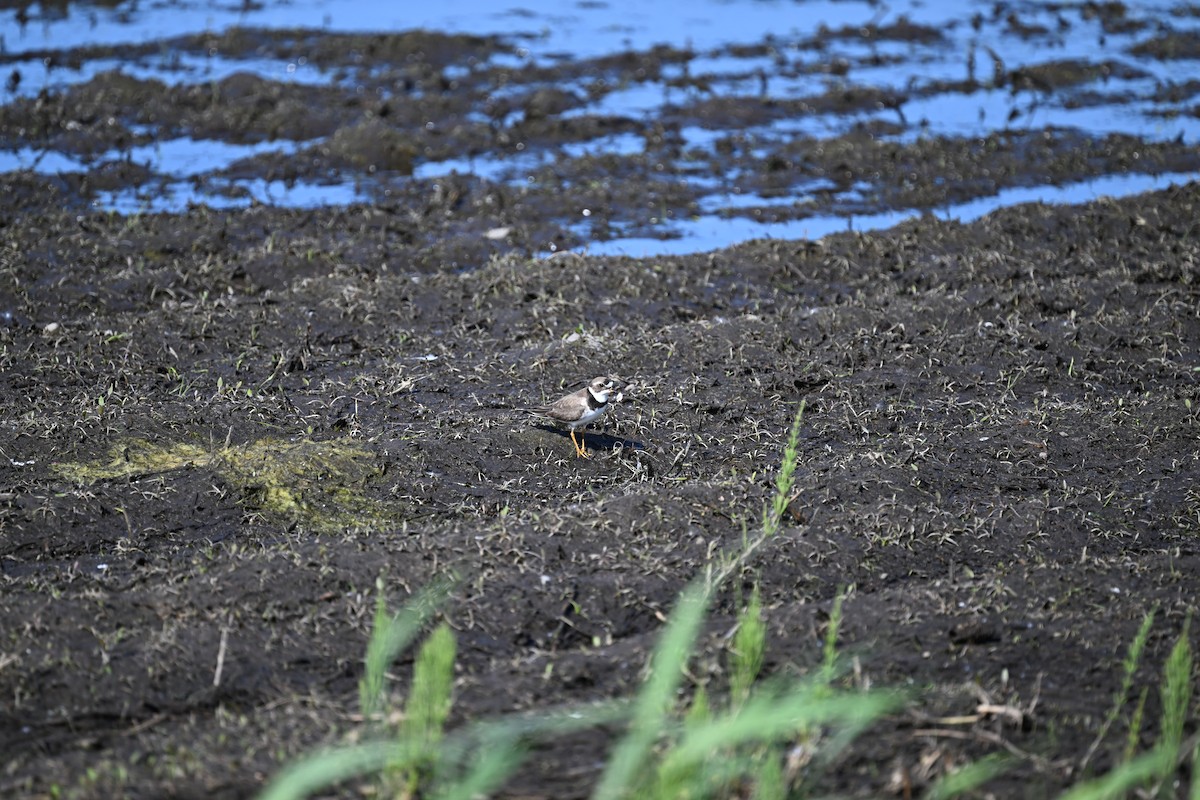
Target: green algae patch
pixel 317 484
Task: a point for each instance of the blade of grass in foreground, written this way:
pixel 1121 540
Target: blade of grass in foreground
pixel 773 717
pixel 489 772
pixel 969 777
pixel 654 702
pixel 323 769
pixel 390 635
pixel 1129 666
pixel 487 753
pixel 428 703
pixel 1125 777
pixel 749 644
pixel 1176 690
pixel 482 755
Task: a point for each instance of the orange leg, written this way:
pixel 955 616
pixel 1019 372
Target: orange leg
pixel 579 449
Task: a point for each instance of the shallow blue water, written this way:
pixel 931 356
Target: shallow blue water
pixel 547 31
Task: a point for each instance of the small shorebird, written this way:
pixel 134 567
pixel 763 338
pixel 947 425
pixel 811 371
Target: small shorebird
pixel 579 409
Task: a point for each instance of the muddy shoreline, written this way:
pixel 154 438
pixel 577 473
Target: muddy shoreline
pixel 220 427
pixel 1001 436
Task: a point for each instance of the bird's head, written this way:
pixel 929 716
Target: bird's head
pixel 604 387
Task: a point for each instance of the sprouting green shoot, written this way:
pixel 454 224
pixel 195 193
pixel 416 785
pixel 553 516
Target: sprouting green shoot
pixel 1194 793
pixel 1176 691
pixel 433 678
pixel 772 518
pixel 1120 781
pixel 426 711
pixel 785 480
pixel 967 778
pixel 830 655
pixel 1135 727
pixel 1129 667
pixel 657 696
pixel 698 712
pixel 749 645
pixel 390 635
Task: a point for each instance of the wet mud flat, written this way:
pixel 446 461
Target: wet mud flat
pixel 466 136
pixel 207 437
pixel 221 428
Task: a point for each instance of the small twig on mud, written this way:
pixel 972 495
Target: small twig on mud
pixel 221 657
pixel 145 724
pixel 991 738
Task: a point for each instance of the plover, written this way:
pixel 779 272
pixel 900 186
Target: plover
pixel 579 409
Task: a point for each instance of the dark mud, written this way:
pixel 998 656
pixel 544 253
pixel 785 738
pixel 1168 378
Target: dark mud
pixel 220 428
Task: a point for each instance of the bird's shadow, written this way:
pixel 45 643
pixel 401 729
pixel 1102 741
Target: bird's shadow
pixel 594 440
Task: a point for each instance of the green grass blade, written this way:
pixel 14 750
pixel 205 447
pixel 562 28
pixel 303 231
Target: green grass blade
pixel 829 654
pixel 433 678
pixel 1176 691
pixel 1129 667
pixel 970 777
pixel 772 515
pixel 498 747
pixel 390 635
pixel 785 480
pixel 699 712
pixel 749 645
pixel 496 762
pixel 1194 794
pixel 1120 781
pixel 1134 735
pixel 769 780
pixel 769 717
pixel 320 770
pixel 657 695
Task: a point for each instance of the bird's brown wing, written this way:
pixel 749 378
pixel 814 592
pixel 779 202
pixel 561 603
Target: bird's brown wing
pixel 566 409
